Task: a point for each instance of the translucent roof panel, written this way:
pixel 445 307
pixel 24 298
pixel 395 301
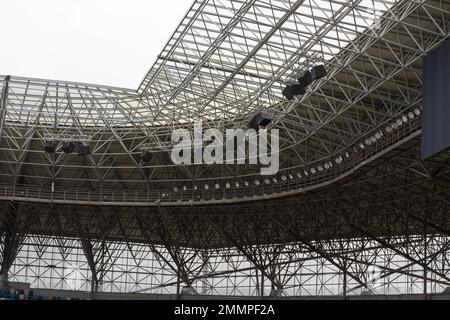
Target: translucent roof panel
pixel 107 42
pixel 235 57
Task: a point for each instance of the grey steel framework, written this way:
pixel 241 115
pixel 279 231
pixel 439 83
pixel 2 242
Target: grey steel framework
pixel 353 208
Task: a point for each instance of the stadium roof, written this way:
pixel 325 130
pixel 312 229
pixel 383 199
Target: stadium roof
pixel 352 191
pixel 229 58
pixel 225 61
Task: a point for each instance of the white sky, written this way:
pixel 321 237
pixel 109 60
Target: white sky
pixel 107 42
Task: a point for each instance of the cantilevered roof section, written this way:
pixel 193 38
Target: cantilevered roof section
pixel 228 57
pixel 105 42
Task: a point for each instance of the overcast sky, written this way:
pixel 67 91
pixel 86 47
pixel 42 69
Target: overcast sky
pixel 109 42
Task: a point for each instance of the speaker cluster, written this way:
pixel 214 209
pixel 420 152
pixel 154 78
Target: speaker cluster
pixel 158 157
pixel 304 81
pixel 68 147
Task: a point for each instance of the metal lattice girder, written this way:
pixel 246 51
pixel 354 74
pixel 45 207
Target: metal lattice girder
pixel 388 195
pixel 117 220
pixel 230 273
pixel 226 60
pixel 384 230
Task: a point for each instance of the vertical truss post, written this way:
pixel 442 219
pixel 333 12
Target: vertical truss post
pixel 425 282
pixel 425 247
pixel 101 257
pixel 88 252
pixel 3 103
pixel 344 283
pixel 11 241
pixel 178 284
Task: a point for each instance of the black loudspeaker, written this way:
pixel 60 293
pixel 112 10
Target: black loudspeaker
pixel 68 147
pixel 288 93
pixel 318 72
pixel 259 120
pixel 84 150
pixel 50 146
pixel 293 90
pixel 162 157
pixel 146 156
pixel 305 80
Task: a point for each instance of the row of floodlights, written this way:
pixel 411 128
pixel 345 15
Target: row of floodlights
pixel 321 167
pixel 391 127
pixel 257 182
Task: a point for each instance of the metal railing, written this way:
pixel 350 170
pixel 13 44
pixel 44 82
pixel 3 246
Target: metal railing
pixel 232 194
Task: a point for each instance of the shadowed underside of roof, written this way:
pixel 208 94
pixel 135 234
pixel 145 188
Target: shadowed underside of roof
pixel 372 201
pixel 226 60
